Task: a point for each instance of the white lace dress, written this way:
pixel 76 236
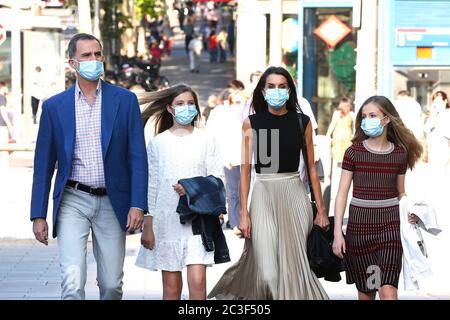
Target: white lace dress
pixel 171 158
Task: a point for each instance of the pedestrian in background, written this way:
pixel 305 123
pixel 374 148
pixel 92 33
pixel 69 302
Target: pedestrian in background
pixel 383 148
pixel 178 151
pixel 410 112
pixel 274 262
pixel 225 124
pixel 437 129
pixel 222 43
pixel 37 91
pixel 212 103
pixel 233 86
pixel 341 130
pixel 212 46
pixel 195 51
pixel 167 36
pixel 188 29
pixel 6 123
pixel 93 132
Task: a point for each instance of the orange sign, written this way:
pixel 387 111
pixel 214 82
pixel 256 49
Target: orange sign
pixel 332 31
pixel 424 52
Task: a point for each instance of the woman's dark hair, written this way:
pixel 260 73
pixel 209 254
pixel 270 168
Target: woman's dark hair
pixel 156 103
pixel 259 104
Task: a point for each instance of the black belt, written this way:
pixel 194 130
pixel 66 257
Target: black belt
pixel 85 188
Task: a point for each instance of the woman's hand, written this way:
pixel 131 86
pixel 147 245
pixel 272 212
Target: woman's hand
pixel 148 237
pixel 412 218
pixel 339 245
pixel 322 220
pixel 245 224
pixel 179 189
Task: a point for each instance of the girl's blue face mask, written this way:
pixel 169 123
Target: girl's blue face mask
pixel 372 127
pixel 90 70
pixel 184 115
pixel 276 97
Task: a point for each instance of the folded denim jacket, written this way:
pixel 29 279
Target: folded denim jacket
pixel 203 203
pixel 204 195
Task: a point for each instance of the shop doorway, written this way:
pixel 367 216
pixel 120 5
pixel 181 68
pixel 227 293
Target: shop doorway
pixel 328 73
pixel 422 82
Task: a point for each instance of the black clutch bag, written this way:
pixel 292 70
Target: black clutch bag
pixel 321 258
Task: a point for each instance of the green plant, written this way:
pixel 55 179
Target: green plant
pixel 114 22
pixel 342 61
pixel 152 8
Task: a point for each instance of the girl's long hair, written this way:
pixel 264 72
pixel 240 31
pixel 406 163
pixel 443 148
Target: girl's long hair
pixel 397 133
pixel 259 104
pixel 156 102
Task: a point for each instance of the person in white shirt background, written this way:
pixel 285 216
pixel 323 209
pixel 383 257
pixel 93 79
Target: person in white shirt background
pixel 410 112
pixel 195 50
pixel 437 129
pixel 225 124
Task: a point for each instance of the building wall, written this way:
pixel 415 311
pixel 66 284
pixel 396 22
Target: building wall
pixel 251 43
pixel 409 25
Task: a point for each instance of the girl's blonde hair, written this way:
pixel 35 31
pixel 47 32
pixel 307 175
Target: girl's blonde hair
pixel 397 133
pixel 156 102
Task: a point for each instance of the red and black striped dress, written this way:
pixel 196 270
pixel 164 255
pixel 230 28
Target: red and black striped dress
pixel 373 246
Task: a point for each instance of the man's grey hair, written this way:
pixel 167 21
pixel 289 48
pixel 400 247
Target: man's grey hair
pixel 72 47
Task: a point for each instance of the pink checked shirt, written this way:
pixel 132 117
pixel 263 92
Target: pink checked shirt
pixel 87 165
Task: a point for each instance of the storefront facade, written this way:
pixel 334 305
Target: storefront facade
pixel 417 55
pixel 31 41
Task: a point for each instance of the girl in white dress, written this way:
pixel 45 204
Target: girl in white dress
pixel 178 151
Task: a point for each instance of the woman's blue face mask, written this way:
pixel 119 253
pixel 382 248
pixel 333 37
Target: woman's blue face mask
pixel 276 97
pixel 185 114
pixel 372 127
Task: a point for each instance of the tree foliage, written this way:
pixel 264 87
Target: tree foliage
pixel 152 8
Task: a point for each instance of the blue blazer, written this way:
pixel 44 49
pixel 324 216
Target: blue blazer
pixel 123 150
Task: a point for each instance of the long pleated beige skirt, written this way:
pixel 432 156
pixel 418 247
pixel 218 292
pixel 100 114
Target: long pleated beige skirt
pixel 274 263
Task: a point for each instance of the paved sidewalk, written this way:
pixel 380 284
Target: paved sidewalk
pixel 212 79
pixel 29 270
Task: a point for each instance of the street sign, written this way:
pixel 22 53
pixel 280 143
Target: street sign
pixel 332 31
pixel 423 37
pixel 2 34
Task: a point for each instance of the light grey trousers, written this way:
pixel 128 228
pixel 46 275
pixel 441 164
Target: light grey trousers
pixel 80 212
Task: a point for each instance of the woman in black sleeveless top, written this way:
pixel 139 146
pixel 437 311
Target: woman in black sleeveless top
pixel 274 263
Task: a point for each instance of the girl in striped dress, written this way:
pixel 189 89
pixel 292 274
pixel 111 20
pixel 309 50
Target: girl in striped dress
pixel 383 148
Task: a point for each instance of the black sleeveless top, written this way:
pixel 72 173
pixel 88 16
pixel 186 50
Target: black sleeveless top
pixel 279 135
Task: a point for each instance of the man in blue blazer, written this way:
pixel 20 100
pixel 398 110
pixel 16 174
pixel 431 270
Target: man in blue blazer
pixel 93 134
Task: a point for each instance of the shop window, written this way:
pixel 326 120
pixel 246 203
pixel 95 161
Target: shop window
pixel 328 73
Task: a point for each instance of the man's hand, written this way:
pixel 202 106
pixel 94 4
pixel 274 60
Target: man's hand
pixel 40 230
pixel 135 219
